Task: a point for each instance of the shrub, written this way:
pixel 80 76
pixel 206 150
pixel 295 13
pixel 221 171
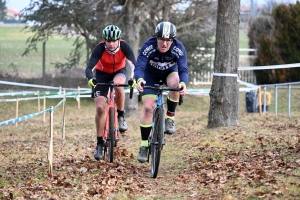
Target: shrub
pixel 276 39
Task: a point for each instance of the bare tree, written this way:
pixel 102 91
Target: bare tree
pixel 71 19
pixel 85 19
pixel 195 29
pixel 224 91
pixel 137 19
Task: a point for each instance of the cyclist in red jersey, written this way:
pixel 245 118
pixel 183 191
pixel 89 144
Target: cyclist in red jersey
pixel 109 61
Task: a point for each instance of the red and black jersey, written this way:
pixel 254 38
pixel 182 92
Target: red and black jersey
pixel 110 62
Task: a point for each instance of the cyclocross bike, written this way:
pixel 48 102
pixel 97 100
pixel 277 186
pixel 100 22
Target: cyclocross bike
pixel 156 139
pixel 111 130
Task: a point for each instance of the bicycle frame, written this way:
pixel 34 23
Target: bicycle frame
pixel 159 105
pixel 110 132
pixel 111 104
pixel 156 139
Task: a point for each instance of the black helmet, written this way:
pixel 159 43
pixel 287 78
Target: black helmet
pixel 165 30
pixel 111 32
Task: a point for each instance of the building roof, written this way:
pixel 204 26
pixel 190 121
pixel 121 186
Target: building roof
pixel 12 11
pixel 247 8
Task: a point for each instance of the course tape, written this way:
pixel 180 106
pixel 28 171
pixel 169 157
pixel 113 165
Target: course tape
pixel 11 121
pixel 40 86
pixel 28 85
pixel 270 67
pixel 281 84
pixel 225 74
pixel 68 94
pixel 42 93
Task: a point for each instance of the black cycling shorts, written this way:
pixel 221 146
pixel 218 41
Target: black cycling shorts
pixel 103 77
pixel 152 77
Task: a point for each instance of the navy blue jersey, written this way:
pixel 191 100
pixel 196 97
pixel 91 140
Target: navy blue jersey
pixel 150 59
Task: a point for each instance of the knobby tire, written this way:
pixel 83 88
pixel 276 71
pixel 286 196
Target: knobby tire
pixel 157 140
pixel 111 140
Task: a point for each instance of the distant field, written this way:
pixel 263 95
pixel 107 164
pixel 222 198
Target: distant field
pixel 13 44
pixel 243 42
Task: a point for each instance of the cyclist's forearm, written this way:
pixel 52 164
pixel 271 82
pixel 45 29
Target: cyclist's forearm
pixel 184 78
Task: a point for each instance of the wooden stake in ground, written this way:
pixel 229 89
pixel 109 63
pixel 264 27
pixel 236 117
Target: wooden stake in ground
pixel 259 101
pixel 50 151
pixel 44 119
pixel 39 103
pixel 64 119
pixel 78 97
pixel 17 110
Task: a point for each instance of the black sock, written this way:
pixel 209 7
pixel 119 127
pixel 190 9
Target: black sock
pixel 171 107
pixel 145 132
pixel 120 113
pixel 99 140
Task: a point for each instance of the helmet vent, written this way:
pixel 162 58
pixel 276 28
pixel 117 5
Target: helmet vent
pixel 166 30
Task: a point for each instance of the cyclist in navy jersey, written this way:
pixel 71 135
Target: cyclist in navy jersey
pixel 161 58
pixel 109 61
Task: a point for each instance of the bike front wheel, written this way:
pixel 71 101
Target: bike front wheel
pixel 111 136
pixel 157 140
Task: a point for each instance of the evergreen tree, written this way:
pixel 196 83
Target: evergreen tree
pixel 276 38
pixel 288 38
pixel 3 9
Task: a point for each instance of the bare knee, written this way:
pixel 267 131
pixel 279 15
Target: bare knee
pixel 173 84
pixel 148 107
pixel 100 105
pixel 173 80
pixel 148 110
pixel 100 109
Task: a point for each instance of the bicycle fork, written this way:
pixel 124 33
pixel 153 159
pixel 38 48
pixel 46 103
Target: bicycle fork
pixel 152 141
pixel 106 129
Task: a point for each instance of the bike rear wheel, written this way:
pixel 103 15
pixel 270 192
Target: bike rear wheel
pixel 111 136
pixel 157 140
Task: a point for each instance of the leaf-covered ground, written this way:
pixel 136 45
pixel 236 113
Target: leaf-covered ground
pixel 258 159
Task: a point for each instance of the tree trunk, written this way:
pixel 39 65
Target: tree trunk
pixel 225 91
pixel 131 32
pixel 44 63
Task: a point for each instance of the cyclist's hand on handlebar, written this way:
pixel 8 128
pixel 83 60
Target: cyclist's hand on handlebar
pixel 183 91
pixel 139 85
pixel 92 82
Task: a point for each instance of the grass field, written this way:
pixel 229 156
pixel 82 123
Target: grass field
pixel 13 44
pixel 258 159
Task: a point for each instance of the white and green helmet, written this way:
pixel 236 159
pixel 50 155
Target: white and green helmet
pixel 111 32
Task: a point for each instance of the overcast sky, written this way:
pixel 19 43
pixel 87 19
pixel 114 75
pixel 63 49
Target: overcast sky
pixel 248 2
pixel 20 4
pixel 17 4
